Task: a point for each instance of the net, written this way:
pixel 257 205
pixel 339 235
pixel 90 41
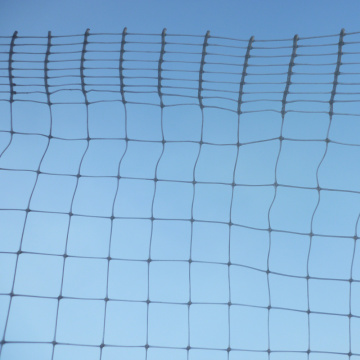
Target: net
pixel 179 197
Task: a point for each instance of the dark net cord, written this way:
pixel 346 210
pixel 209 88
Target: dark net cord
pixel 233 76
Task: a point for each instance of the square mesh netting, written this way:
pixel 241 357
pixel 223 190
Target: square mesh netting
pixel 179 197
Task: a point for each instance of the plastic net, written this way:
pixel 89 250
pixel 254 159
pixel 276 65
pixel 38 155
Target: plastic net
pixel 179 197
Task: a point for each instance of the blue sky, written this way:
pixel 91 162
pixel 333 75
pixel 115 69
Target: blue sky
pixel 238 18
pixel 236 177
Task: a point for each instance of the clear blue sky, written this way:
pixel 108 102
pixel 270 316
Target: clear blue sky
pixel 238 18
pixel 268 269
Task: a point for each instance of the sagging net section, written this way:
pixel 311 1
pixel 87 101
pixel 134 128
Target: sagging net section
pixel 179 197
